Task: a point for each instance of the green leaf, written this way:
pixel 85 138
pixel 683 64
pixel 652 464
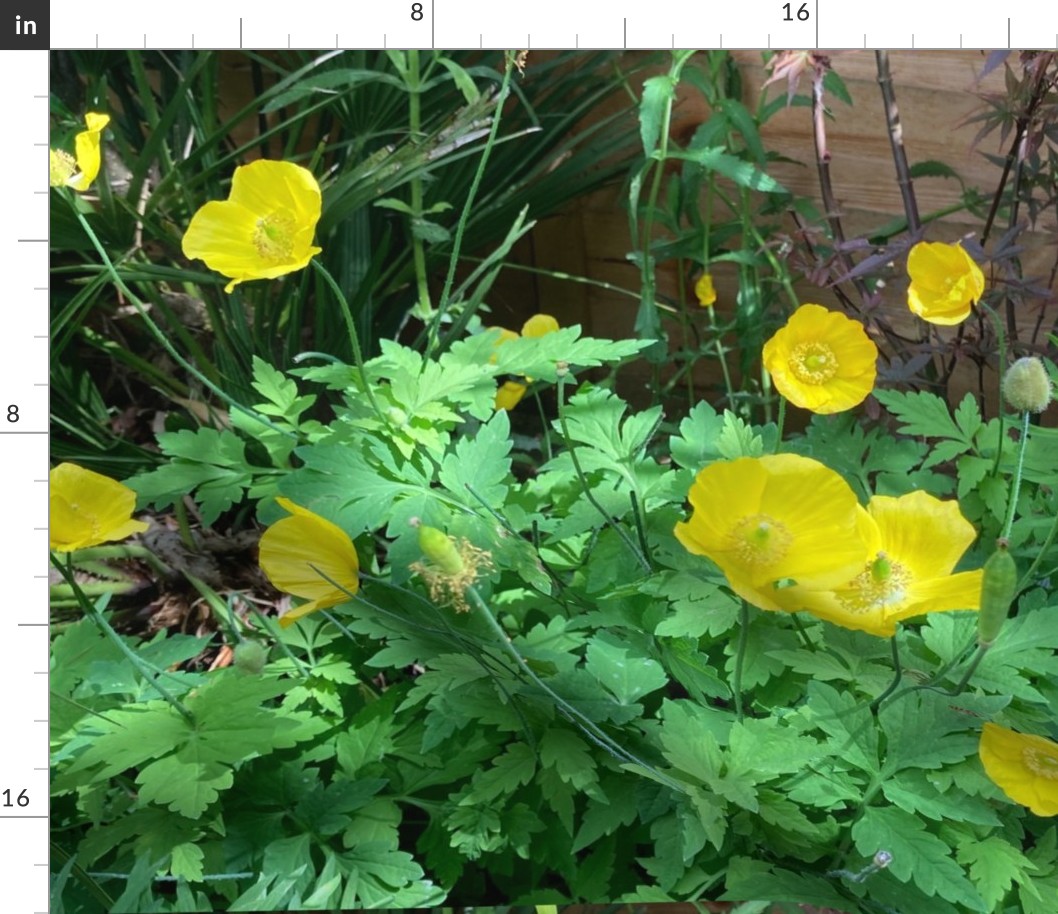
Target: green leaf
pixel 481 463
pixel 852 730
pixel 625 676
pixel 923 731
pixel 742 173
pixel 568 755
pixel 699 440
pixel 916 854
pixel 995 865
pixel 922 413
pixel 512 769
pixel 462 78
pixel 658 93
pixel 748 879
pixel 738 439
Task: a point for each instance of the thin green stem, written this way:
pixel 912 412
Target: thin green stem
pixel 740 658
pixel 413 81
pixel 781 421
pixel 161 338
pixel 464 216
pixel 149 672
pixel 354 338
pixel 610 522
pixel 588 726
pixel 898 675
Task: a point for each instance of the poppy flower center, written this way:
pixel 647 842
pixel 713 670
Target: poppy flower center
pixel 1042 763
pixel 61 167
pixel 760 540
pixel 274 237
pixel 813 363
pixel 881 585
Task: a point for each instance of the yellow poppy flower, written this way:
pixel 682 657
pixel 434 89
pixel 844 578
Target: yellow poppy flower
pixel 510 393
pixel 704 290
pixel 766 519
pixel 298 554
pixel 822 360
pixel 79 170
pixel 1024 767
pixel 945 282
pixel 265 227
pixel 88 508
pixel 913 542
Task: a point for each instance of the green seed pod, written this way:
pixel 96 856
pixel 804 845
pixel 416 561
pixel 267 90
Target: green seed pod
pixel 439 549
pixel 998 585
pixel 250 657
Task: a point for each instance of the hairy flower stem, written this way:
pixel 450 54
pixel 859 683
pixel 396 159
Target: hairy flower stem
pixel 610 522
pixel 1015 485
pixel 149 672
pixel 586 725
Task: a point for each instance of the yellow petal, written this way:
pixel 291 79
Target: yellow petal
pixel 1025 767
pixel 510 394
pixel 763 519
pixel 87 151
pixel 539 325
pixel 301 552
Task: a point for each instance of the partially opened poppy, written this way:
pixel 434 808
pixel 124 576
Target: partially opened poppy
pixel 301 552
pixel 80 169
pixel 822 360
pixel 913 543
pixel 1025 767
pixel 763 520
pixel 88 508
pixel 265 227
pixel 945 282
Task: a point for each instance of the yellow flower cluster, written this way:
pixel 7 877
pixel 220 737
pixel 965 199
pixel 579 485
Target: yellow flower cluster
pixel 789 535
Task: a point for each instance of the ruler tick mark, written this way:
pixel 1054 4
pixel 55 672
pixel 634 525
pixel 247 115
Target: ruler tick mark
pixel 624 41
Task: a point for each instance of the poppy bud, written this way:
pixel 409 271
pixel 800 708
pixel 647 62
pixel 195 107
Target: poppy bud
pixel 250 657
pixel 1026 386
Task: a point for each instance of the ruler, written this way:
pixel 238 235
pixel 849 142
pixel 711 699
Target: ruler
pixel 37 27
